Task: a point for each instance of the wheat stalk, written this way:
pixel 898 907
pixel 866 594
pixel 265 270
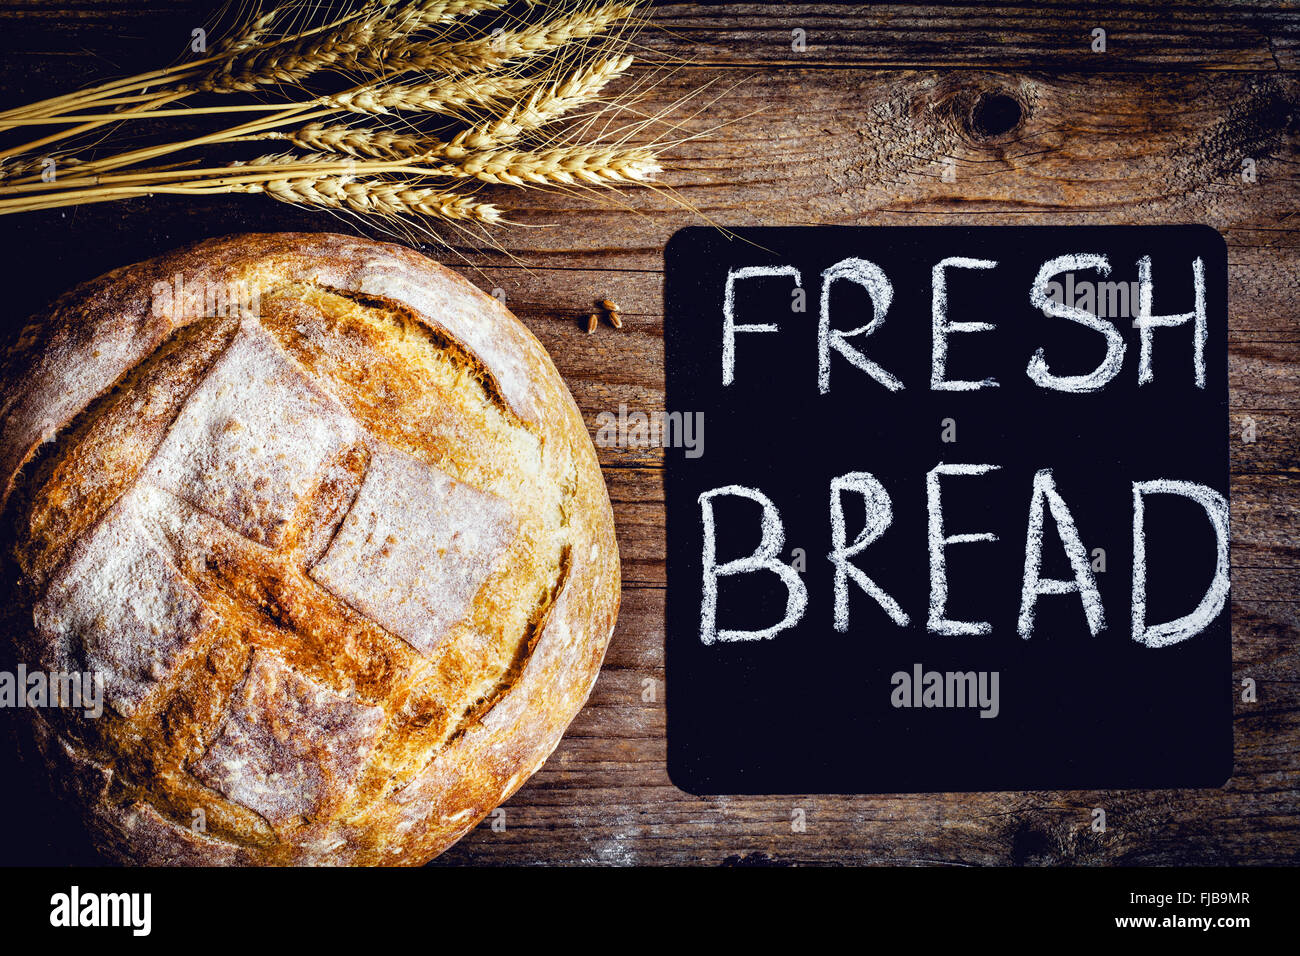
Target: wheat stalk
pixel 227 57
pixel 544 106
pixel 572 165
pixel 567 165
pixel 490 52
pixel 428 13
pixel 169 77
pixel 290 63
pixel 287 159
pixel 469 121
pixel 375 197
pixel 251 34
pixel 14 169
pixel 353 141
pixel 294 61
pixel 444 96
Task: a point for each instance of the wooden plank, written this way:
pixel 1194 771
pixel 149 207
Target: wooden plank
pixel 865 147
pixel 1265 523
pixel 1051 35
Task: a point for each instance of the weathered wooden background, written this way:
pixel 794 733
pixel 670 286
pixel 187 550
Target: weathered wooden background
pixel 855 129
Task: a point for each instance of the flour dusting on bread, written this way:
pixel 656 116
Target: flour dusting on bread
pixel 415 547
pixel 270 754
pixel 119 607
pixel 250 442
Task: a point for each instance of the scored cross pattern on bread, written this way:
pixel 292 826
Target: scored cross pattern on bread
pixel 323 558
pixel 249 446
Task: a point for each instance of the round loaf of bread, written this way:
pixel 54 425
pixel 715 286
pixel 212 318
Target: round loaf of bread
pixel 324 524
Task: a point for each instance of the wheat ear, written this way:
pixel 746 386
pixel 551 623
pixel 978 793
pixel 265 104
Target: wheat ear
pixel 567 165
pixel 441 96
pixel 250 36
pixel 490 52
pixel 296 60
pixel 371 197
pixel 544 106
pixel 428 13
pixel 361 143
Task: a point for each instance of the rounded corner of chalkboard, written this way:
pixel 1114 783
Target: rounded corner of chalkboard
pixel 1219 774
pixel 683 780
pixel 1226 774
pixel 1212 235
pixel 682 236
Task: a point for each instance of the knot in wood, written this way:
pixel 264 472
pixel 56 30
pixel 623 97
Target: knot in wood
pixel 992 114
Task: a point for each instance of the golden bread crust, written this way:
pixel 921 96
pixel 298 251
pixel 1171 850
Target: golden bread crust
pixel 344 560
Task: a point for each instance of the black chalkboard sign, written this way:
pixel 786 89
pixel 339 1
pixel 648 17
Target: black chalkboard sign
pixel 952 514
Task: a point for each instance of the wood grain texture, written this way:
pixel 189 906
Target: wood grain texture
pixel 856 130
